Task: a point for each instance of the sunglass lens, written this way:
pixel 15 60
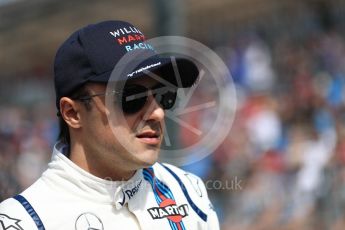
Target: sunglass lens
pixel 167 100
pixel 165 96
pixel 133 98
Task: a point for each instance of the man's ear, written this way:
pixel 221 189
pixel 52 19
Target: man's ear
pixel 69 110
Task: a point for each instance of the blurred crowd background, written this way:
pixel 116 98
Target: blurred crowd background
pixel 282 166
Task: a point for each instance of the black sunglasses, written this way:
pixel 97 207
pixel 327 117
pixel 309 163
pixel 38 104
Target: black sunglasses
pixel 134 97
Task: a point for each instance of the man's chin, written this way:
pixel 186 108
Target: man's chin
pixel 149 156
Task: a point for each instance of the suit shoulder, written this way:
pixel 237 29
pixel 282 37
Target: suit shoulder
pixel 13 215
pixel 8 204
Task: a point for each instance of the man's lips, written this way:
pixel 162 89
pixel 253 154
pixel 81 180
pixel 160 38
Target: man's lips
pixel 149 137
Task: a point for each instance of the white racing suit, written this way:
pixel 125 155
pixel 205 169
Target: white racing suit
pixel 68 198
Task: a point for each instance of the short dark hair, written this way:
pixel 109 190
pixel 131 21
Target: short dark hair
pixel 64 135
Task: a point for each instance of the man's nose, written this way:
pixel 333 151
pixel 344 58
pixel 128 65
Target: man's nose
pixel 154 110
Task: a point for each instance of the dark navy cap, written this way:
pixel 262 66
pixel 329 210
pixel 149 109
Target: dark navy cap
pixel 91 53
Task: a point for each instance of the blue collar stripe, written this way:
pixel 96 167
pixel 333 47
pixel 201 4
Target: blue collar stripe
pixel 202 215
pixel 31 211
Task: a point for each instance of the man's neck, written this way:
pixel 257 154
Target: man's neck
pixel 97 165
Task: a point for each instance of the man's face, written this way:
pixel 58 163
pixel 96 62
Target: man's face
pixel 131 143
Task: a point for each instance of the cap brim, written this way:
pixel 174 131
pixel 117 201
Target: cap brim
pixel 180 72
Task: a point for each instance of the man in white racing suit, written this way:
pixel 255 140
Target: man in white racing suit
pixel 104 173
